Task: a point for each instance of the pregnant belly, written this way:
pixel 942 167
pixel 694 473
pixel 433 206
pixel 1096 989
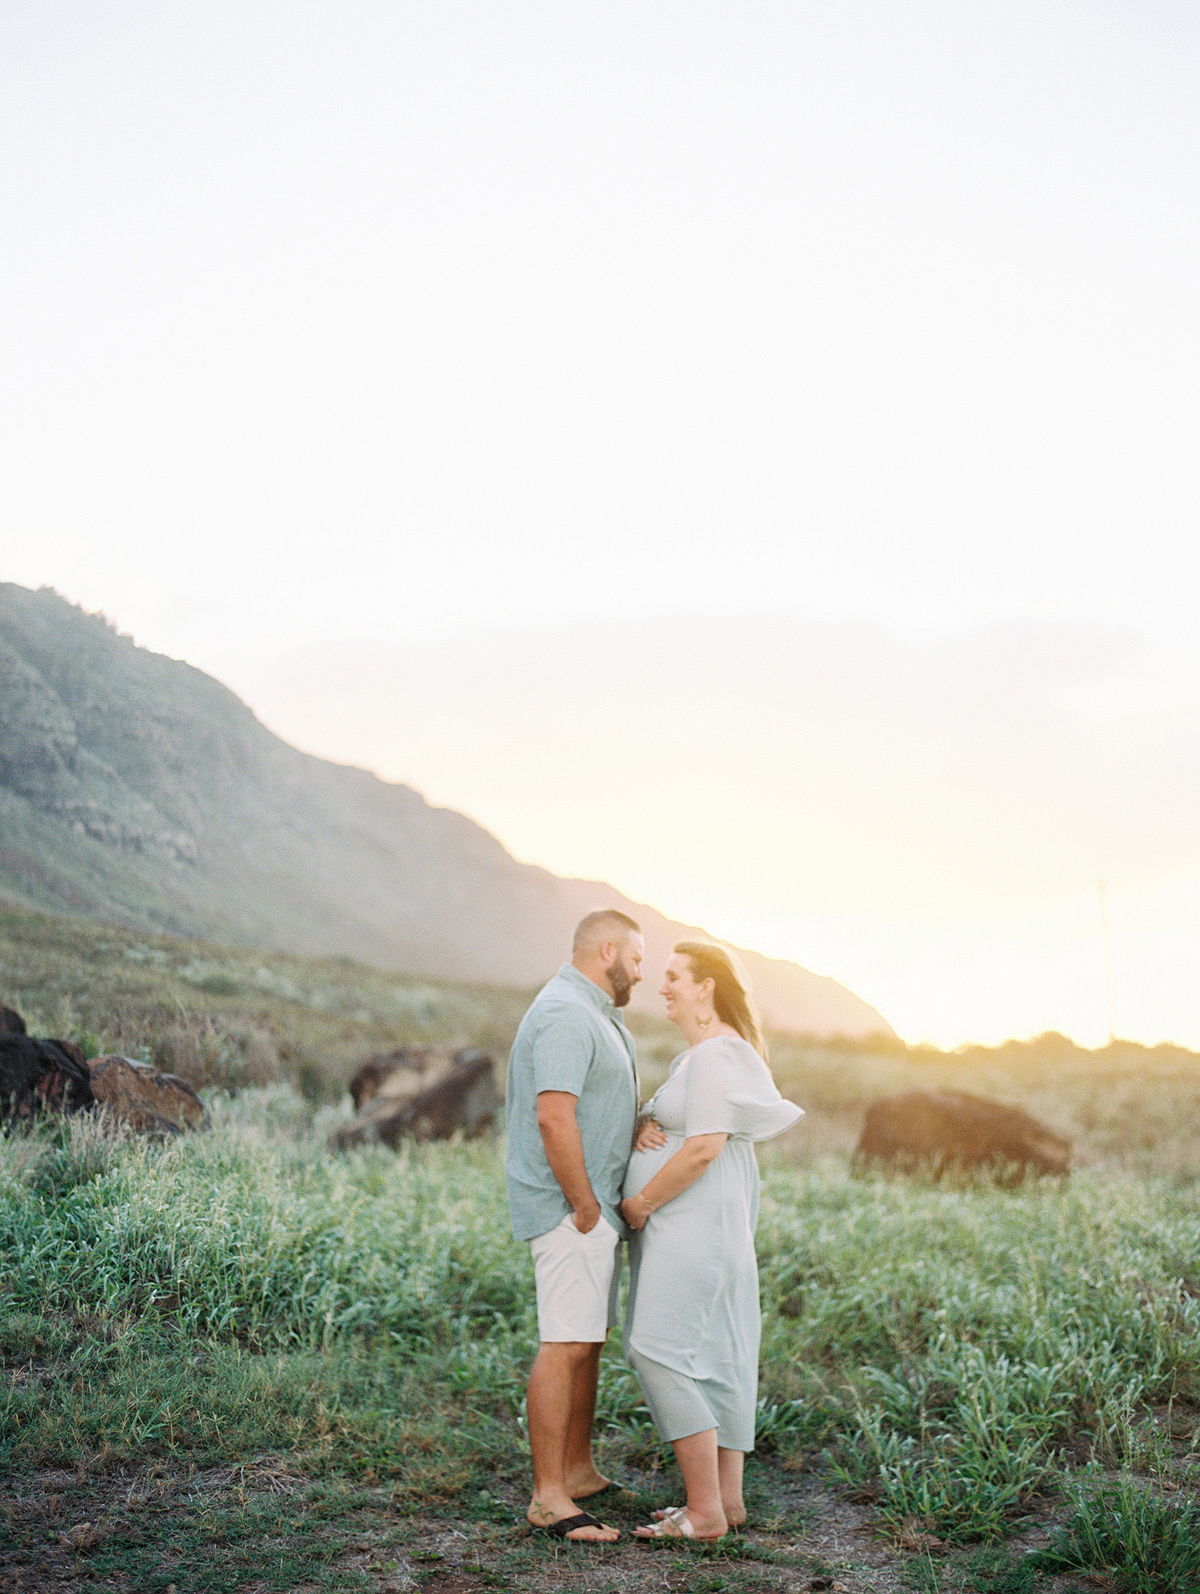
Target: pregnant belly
pixel 643 1165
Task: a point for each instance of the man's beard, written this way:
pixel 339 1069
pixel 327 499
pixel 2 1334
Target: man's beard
pixel 622 985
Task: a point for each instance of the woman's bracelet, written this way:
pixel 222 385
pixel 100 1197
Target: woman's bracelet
pixel 641 1195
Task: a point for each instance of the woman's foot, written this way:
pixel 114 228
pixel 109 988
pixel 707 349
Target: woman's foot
pixel 677 1522
pixel 735 1515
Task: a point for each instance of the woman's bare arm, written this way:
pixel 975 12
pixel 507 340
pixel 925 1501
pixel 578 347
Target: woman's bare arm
pixel 673 1178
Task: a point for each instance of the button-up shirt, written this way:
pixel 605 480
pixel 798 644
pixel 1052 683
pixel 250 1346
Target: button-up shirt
pixel 573 1039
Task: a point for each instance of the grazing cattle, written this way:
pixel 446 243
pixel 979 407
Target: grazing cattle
pixel 41 1076
pixel 11 1022
pixel 424 1093
pixel 945 1128
pixel 146 1100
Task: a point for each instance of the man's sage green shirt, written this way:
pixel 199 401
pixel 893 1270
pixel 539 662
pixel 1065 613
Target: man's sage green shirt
pixel 573 1038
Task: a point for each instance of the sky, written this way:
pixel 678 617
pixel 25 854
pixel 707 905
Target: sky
pixel 789 409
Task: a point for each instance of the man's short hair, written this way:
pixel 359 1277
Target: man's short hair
pixel 606 924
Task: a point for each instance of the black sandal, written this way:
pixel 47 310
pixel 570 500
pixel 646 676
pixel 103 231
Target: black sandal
pixel 567 1525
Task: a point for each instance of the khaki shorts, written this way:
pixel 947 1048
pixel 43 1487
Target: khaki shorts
pixel 578 1277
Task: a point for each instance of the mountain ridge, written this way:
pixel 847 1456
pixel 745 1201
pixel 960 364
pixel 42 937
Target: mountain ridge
pixel 136 787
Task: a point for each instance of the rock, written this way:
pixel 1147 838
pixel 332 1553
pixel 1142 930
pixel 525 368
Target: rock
pixel 399 1073
pixel 41 1076
pixel 947 1128
pixel 408 1072
pixel 426 1093
pixel 148 1101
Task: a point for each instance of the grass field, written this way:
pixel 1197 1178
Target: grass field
pixel 950 1358
pixel 235 1361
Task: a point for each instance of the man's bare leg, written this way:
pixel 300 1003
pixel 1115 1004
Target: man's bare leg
pixel 583 1478
pixel 558 1370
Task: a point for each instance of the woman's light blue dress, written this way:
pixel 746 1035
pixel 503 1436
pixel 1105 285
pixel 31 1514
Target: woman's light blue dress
pixel 692 1322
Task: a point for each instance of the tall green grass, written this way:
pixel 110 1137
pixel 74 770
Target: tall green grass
pixel 946 1351
pixel 251 1234
pixel 964 1338
pixel 1145 1543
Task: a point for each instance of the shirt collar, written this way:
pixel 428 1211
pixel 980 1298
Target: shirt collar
pixel 589 989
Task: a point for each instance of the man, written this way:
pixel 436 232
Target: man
pixel 571 1108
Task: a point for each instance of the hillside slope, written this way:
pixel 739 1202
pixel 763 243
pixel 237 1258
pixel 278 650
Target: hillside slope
pixel 134 787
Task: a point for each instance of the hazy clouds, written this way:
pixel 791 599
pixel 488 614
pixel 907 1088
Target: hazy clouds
pixel 323 320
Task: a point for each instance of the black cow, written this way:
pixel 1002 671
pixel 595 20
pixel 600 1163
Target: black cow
pixel 41 1076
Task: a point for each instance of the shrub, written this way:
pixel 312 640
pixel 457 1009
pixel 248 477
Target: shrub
pixel 1147 1543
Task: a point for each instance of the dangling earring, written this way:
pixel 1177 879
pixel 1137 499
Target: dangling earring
pixel 705 1022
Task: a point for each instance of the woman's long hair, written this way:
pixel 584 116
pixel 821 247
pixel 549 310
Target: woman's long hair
pixel 731 989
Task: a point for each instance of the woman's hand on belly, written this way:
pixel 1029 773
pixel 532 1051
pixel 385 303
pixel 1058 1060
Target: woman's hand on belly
pixel 650 1135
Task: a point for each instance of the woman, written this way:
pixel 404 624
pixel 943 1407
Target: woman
pixel 691 1195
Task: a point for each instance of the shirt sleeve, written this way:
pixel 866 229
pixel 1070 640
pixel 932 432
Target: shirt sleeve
pixel 730 1091
pixel 563 1048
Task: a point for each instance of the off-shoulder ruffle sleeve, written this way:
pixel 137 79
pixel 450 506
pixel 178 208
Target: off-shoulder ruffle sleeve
pixel 730 1091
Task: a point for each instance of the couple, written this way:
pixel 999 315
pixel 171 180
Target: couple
pixel 688 1193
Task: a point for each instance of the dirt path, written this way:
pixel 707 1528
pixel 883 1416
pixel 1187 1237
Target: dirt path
pixel 263 1527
